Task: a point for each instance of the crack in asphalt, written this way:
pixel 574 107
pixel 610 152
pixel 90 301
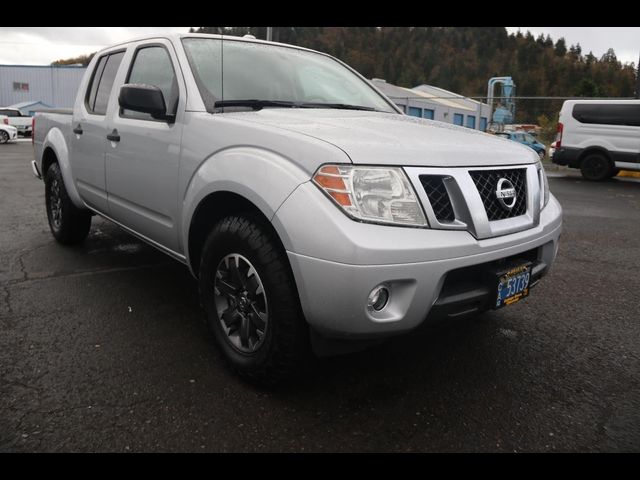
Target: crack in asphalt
pixel 82 273
pixel 6 321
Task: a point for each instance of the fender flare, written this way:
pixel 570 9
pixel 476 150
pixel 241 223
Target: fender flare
pixel 263 177
pixel 55 141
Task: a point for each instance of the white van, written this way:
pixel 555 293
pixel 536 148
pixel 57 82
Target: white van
pixel 600 137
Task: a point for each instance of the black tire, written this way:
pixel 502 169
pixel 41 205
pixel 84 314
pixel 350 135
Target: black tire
pixel 69 225
pixel 4 136
pixel 596 167
pixel 614 172
pixel 284 348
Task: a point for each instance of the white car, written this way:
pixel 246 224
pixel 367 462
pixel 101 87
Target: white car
pixel 551 149
pixel 17 119
pixel 7 132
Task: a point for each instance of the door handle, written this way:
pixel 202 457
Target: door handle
pixel 78 130
pixel 114 136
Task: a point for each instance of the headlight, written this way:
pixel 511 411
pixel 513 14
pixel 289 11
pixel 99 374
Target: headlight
pixel 544 186
pixel 372 194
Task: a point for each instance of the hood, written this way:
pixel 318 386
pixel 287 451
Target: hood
pixel 393 139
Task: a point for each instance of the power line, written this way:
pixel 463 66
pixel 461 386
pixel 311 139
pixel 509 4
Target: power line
pixel 53 43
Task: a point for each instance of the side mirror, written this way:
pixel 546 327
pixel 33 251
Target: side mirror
pixel 144 98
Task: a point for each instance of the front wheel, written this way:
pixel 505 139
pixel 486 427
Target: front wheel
pixel 69 225
pixel 4 136
pixel 251 301
pixel 596 167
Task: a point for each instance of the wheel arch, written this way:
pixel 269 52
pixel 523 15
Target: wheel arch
pixel 210 210
pixel 55 150
pixel 595 149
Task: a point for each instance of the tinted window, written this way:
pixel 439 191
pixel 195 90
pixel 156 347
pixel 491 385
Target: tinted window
pixel 607 114
pixel 106 82
pixel 152 66
pixel 95 81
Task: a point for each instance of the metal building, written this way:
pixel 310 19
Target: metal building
pixel 436 103
pixel 52 85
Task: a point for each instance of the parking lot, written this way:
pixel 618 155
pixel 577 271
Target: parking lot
pixel 103 348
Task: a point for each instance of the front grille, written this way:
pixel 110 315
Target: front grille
pixel 438 196
pixel 487 182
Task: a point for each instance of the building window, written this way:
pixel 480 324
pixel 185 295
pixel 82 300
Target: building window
pixel 20 87
pixel 483 124
pixel 471 121
pixel 428 113
pixel 415 112
pixel 458 119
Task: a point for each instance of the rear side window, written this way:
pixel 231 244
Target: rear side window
pixel 152 66
pixel 102 82
pixel 612 114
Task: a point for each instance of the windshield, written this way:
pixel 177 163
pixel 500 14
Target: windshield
pixel 231 71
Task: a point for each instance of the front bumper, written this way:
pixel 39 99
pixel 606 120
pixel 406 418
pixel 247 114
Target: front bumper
pixel 436 275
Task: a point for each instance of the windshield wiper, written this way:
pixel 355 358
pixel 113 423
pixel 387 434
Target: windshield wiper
pixel 259 104
pixel 343 106
pixel 254 104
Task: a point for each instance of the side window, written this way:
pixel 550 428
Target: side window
pixel 106 82
pixel 90 100
pixel 152 66
pixel 101 83
pixel 612 114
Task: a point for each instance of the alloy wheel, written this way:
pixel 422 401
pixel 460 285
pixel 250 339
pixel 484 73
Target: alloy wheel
pixel 241 303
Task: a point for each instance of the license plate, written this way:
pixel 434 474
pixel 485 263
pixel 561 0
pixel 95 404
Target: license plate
pixel 513 285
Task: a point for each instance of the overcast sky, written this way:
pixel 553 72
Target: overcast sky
pixel 43 45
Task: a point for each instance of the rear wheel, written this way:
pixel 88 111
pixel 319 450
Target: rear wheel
pixel 596 167
pixel 69 225
pixel 251 301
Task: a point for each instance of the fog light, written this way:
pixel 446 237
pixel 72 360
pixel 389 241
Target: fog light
pixel 378 298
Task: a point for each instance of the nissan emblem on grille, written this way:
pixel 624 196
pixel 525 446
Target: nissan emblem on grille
pixel 506 194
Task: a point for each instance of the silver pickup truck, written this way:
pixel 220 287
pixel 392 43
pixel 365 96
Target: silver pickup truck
pixel 315 215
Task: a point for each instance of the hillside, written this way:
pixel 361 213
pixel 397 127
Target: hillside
pixel 462 59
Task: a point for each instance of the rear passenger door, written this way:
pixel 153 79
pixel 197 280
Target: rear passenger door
pixel 142 166
pixel 89 130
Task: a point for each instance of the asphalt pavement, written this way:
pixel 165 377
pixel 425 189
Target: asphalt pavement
pixel 103 348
